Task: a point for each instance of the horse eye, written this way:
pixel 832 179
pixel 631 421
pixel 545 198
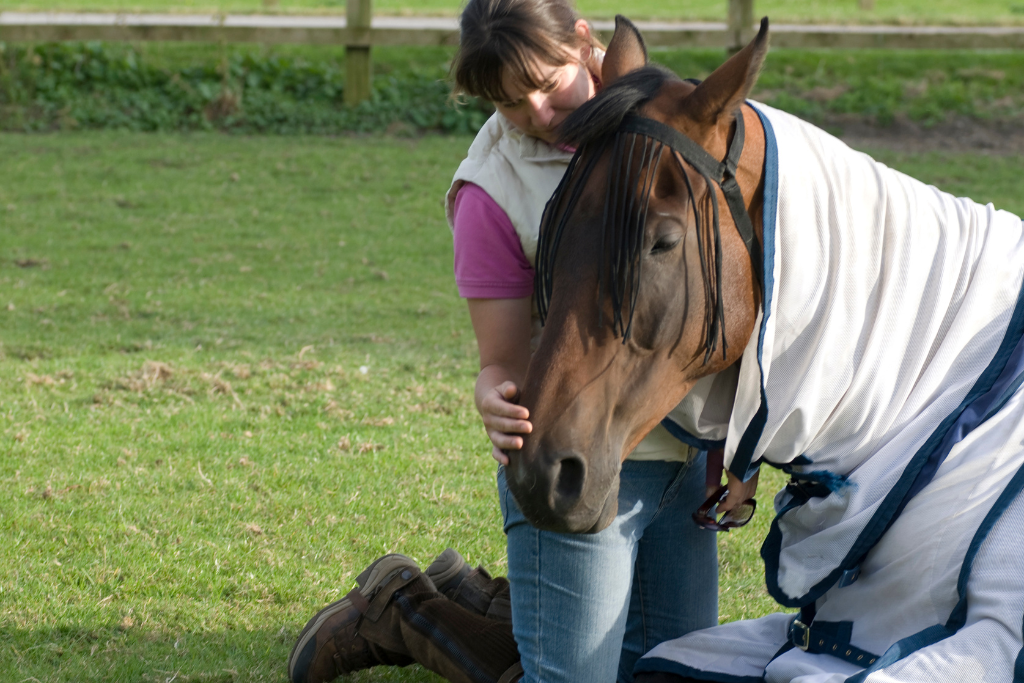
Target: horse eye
pixel 663 244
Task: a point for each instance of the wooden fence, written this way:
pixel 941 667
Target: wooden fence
pixel 358 31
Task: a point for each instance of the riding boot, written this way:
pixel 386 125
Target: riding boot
pixel 473 589
pixel 330 645
pixel 410 617
pixel 396 616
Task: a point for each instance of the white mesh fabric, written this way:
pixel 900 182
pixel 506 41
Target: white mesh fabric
pixel 909 580
pixel 890 299
pixel 741 648
pixel 984 651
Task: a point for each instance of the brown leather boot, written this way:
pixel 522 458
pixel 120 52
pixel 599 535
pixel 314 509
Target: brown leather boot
pixel 441 635
pixel 398 617
pixel 471 588
pixel 330 644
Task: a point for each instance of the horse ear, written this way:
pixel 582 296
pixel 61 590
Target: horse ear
pixel 627 51
pixel 721 95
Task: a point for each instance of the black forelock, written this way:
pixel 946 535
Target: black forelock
pixel 601 116
pixel 595 130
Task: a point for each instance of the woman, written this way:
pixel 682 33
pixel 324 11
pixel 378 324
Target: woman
pixel 537 62
pixel 584 607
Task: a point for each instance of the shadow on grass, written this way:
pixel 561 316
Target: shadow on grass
pixel 135 653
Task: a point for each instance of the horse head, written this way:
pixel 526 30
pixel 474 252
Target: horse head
pixel 645 286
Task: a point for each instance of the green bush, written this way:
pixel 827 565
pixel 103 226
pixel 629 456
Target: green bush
pixel 98 86
pixel 299 89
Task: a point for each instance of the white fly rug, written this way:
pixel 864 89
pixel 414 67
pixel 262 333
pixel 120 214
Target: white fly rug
pixel 884 376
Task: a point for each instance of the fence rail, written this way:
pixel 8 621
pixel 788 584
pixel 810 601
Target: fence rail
pixel 426 31
pixel 359 31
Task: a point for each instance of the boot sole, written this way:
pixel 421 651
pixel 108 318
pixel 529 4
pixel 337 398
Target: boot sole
pixel 371 577
pixel 449 573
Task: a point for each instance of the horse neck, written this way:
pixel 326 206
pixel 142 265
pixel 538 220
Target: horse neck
pixel 743 296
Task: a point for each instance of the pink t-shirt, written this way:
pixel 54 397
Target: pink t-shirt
pixel 489 258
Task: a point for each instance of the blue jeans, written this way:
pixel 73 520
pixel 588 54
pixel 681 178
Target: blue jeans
pixel 586 607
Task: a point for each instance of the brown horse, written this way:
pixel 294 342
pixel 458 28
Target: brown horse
pixel 645 293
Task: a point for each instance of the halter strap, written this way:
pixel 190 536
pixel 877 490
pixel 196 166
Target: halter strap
pixel 723 173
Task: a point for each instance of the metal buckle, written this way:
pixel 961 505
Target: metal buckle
pixel 800 634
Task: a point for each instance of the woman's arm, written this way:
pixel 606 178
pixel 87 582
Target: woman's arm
pixel 739 491
pixel 502 328
pixel 496 279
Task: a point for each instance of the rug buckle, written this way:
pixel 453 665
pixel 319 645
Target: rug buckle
pixel 800 634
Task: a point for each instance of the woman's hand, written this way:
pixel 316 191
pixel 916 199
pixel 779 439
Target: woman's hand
pixel 504 420
pixel 739 491
pixel 502 328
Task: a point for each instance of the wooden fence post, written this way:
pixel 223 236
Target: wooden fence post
pixel 358 66
pixel 741 22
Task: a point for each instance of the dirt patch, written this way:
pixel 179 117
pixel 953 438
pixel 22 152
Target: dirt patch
pixel 1001 138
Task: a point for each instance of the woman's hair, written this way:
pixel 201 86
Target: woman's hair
pixel 508 34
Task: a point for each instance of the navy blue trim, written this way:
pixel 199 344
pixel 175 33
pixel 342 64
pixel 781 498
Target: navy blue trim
pixel 958 617
pixel 901 649
pixel 689 439
pixel 1018 665
pixel 782 650
pixel 1010 391
pixel 743 464
pixel 1013 489
pixel 657 664
pixel 987 405
pixel 992 381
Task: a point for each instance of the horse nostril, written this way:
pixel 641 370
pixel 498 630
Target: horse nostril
pixel 569 481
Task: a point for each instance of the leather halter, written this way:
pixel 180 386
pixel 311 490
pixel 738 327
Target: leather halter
pixel 722 173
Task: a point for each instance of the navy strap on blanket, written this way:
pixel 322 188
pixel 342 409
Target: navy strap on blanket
pixel 829 638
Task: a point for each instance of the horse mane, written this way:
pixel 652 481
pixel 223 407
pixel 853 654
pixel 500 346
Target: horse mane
pixel 593 129
pixel 602 115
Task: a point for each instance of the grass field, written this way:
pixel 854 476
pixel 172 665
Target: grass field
pixel 233 371
pixel 809 11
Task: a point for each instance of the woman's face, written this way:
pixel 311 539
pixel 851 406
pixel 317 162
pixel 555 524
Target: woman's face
pixel 540 112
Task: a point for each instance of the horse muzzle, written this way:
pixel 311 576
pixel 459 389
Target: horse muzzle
pixel 562 492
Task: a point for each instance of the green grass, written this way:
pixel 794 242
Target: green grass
pixel 189 518
pixel 878 85
pixel 233 371
pixel 806 11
